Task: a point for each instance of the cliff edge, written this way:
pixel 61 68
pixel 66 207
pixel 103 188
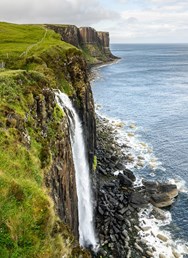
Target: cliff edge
pixel 39 215
pixel 94 44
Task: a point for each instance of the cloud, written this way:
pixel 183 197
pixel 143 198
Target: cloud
pixel 151 25
pixel 126 20
pixel 79 12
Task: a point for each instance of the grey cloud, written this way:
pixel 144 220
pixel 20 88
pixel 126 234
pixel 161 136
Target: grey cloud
pixel 79 12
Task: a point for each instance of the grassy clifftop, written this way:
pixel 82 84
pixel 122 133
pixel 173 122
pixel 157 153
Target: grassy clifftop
pixel 17 42
pixel 33 61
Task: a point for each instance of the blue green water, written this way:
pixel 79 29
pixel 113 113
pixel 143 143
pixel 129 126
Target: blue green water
pixel 149 86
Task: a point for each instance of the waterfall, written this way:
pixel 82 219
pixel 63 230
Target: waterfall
pixel 83 186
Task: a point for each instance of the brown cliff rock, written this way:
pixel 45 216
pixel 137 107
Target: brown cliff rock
pixel 69 33
pixel 96 44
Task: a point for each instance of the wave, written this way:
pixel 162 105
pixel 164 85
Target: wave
pixel 140 155
pixel 157 239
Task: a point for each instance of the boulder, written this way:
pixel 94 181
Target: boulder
pixel 129 174
pixel 120 166
pixel 150 186
pixel 124 180
pixel 170 189
pixel 158 213
pixel 161 200
pixel 161 194
pixel 162 238
pixel 138 199
pixel 162 256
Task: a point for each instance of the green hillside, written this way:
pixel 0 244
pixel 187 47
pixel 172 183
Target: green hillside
pixel 21 41
pixel 32 58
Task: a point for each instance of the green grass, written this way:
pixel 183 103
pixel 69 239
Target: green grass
pixel 35 59
pixel 27 217
pixel 24 40
pixel 36 48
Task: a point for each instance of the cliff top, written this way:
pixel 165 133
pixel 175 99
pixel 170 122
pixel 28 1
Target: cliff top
pixel 20 41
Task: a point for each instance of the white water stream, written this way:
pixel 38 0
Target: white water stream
pixel 84 193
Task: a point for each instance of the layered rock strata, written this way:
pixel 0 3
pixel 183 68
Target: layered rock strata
pixel 93 43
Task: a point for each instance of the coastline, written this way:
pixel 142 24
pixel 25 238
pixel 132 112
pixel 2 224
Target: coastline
pixel 137 233
pixel 143 220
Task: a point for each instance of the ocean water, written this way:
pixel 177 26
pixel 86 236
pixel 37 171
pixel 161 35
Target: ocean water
pixel 148 88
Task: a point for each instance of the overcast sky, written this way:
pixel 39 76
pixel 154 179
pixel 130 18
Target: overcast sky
pixel 128 21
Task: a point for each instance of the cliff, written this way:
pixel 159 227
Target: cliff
pixel 38 193
pixel 95 45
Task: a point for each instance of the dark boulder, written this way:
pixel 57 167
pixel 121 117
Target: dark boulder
pixel 120 166
pixel 138 199
pixel 124 180
pixel 170 189
pixel 161 200
pixel 129 174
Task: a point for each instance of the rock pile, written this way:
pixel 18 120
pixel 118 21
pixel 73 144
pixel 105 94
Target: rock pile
pixel 119 201
pixel 160 194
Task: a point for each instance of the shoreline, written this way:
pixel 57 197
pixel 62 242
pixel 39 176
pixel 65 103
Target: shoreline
pixel 109 186
pixel 143 247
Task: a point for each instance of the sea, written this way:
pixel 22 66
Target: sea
pixel 147 92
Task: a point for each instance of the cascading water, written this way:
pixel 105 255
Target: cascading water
pixel 85 210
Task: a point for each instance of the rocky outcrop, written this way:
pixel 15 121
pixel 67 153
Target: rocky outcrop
pixel 69 33
pixel 93 43
pixel 160 194
pixel 88 35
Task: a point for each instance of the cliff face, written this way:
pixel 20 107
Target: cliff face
pixel 35 151
pixel 93 43
pixel 61 175
pixel 69 33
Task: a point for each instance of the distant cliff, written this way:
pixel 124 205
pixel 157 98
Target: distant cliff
pixel 94 44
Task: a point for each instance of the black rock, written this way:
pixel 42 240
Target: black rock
pixel 125 233
pixel 116 230
pixel 138 199
pixel 160 197
pixel 114 158
pixel 123 210
pixel 120 166
pixel 102 171
pixel 124 180
pixel 111 184
pixel 113 201
pixel 150 184
pixel 113 238
pixel 100 211
pixel 166 188
pixel 129 174
pixel 119 217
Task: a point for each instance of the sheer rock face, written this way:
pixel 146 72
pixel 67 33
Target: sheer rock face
pixel 105 39
pixel 88 35
pixel 60 175
pixel 69 33
pixel 97 44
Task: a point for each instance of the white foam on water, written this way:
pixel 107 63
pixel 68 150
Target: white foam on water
pixel 153 234
pixel 181 184
pixel 140 154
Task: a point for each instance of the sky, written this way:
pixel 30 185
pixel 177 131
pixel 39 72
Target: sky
pixel 128 21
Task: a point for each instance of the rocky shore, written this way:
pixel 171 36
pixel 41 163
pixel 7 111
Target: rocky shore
pixel 120 199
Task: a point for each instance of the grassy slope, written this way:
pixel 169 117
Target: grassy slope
pixel 15 40
pixel 28 224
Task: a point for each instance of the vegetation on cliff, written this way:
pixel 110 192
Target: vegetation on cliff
pixel 34 61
